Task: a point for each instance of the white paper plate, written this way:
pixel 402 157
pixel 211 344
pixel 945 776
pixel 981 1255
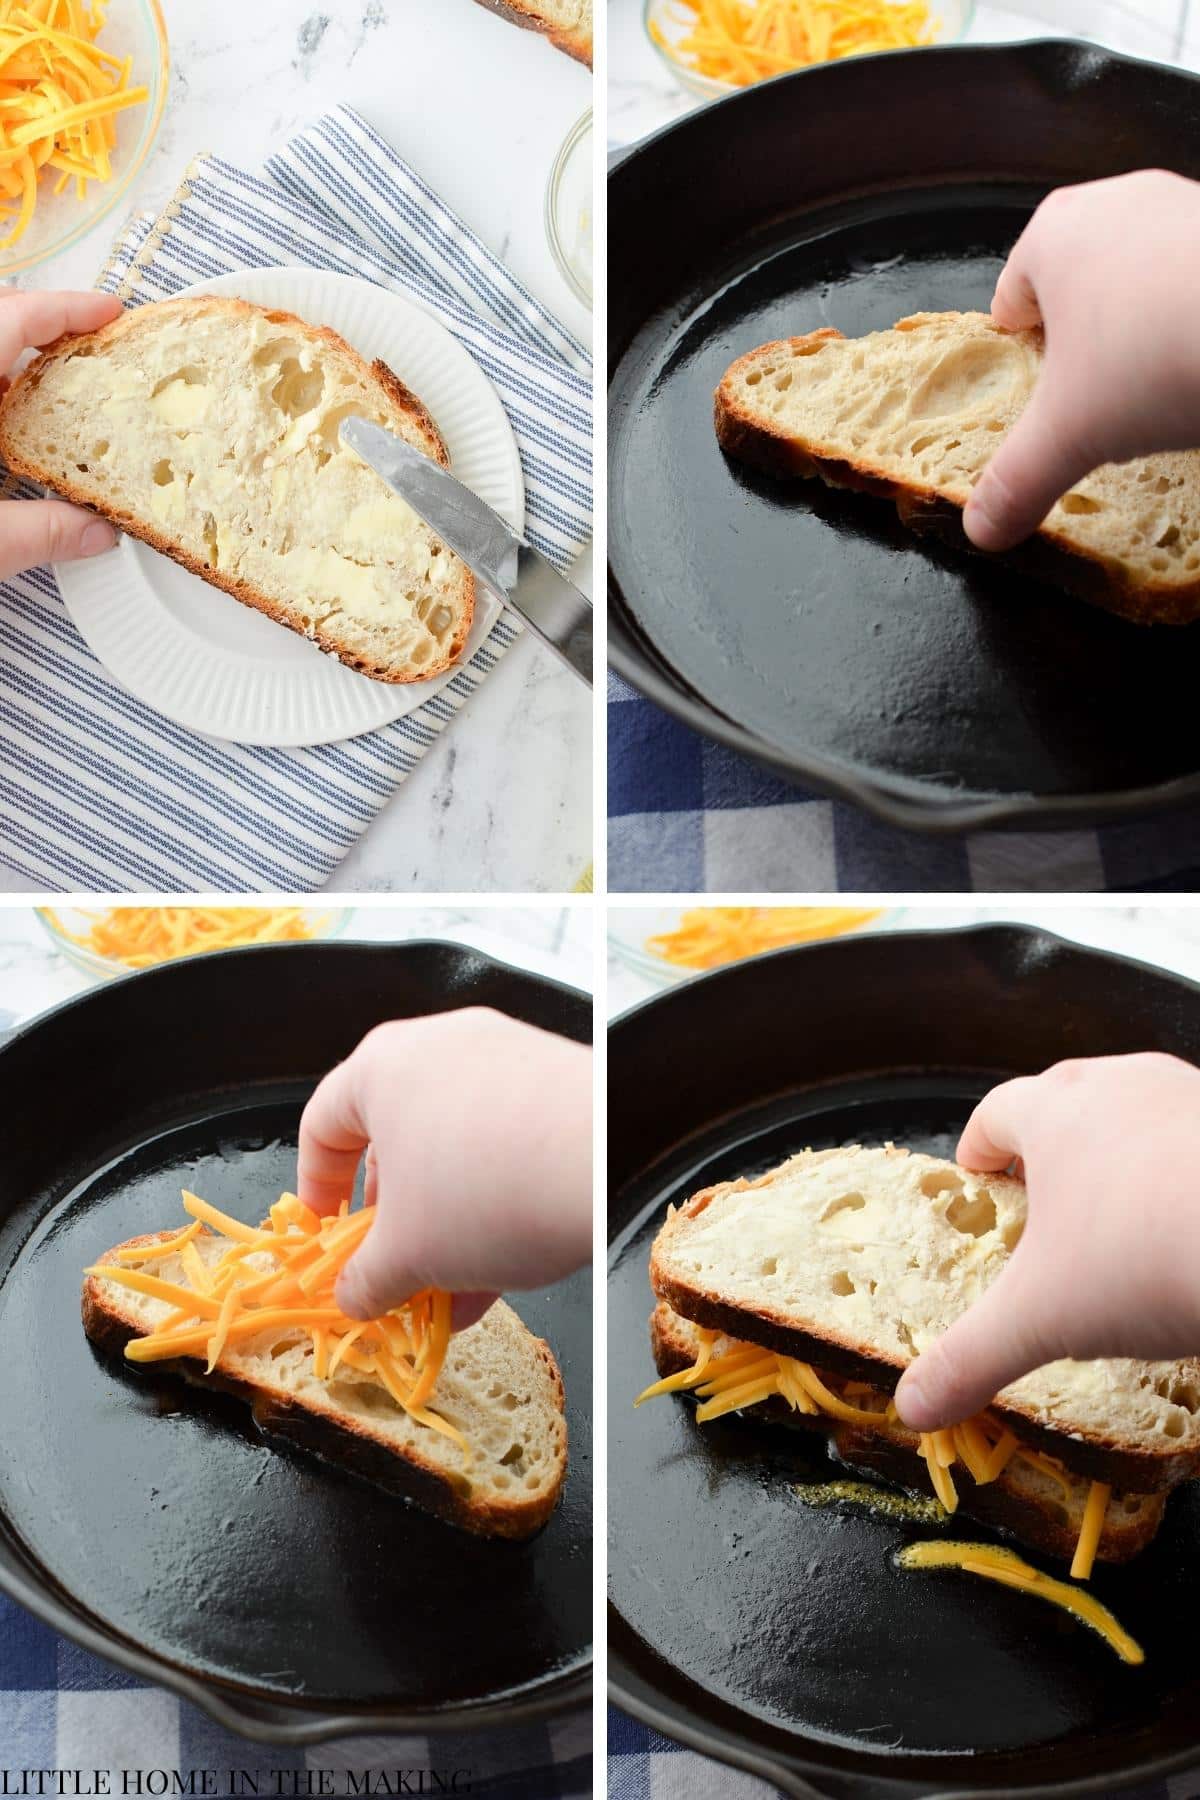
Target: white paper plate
pixel 218 667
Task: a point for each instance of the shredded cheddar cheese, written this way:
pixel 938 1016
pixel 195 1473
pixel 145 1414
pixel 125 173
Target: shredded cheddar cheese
pixel 710 936
pixel 744 1375
pixel 1006 1566
pixel 740 42
pixel 234 1298
pixel 59 95
pixel 138 937
pixel 1089 1535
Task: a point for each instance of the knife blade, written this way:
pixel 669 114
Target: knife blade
pixel 552 607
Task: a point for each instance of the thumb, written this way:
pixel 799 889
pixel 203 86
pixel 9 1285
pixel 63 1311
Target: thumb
pixel 41 531
pixel 995 1341
pixel 377 1277
pixel 1035 465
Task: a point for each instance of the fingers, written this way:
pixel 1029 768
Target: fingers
pixel 333 1137
pixel 37 318
pixel 377 1277
pixel 42 531
pixel 1035 465
pixel 469 1308
pixel 992 1135
pixel 1015 303
pixel 997 1340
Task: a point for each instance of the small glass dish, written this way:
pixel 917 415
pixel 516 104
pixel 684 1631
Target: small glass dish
pixel 630 930
pixel 60 922
pixel 569 209
pixel 952 17
pixel 133 28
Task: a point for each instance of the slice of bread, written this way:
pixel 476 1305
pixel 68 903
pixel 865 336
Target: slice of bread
pixel 499 1385
pixel 914 414
pixel 855 1259
pixel 209 428
pixel 1023 1500
pixel 567 23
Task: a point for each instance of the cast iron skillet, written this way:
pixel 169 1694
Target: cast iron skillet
pixel 150 1521
pixel 780 1637
pixel 809 629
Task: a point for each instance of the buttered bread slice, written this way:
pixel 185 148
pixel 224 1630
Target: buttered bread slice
pixel 915 414
pixel 209 427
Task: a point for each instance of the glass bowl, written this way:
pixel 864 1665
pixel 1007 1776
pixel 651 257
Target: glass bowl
pixel 630 928
pixel 133 28
pixel 569 209
pixel 953 18
pixel 58 921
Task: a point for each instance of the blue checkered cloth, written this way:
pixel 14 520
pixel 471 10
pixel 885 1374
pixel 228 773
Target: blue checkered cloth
pixel 644 1765
pixel 688 816
pixel 63 1708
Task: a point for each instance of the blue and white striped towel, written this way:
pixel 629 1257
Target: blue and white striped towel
pixel 100 793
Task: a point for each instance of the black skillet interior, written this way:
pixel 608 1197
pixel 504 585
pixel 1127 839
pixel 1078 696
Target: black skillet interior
pixel 809 628
pixel 279 1592
pixel 781 1636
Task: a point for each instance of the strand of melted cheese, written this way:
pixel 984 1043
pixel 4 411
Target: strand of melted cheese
pixel 140 936
pixel 1006 1566
pixel 707 937
pixel 744 1375
pixel 743 41
pixel 59 93
pixel 229 1301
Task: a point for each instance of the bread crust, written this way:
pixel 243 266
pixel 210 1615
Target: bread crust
pixel 528 16
pixel 350 1444
pixel 394 392
pixel 1099 1456
pixel 894 1458
pixel 1047 556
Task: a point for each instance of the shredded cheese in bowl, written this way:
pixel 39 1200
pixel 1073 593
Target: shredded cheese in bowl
pixel 139 937
pixel 281 1276
pixel 708 937
pixel 735 43
pixel 60 92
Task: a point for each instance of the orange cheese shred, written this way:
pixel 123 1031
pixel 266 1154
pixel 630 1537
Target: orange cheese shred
pixel 741 1375
pixel 1013 1571
pixel 229 1298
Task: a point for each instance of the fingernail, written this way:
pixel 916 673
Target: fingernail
pixel 97 537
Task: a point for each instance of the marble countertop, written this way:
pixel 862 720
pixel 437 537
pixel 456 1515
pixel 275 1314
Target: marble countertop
pixel 1168 936
pixel 503 800
pixel 642 95
pixel 551 941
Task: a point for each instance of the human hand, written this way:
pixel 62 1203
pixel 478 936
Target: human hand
pixel 1109 1261
pixel 1111 270
pixel 38 531
pixel 480 1159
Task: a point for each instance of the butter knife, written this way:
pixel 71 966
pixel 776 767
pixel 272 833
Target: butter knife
pixel 552 608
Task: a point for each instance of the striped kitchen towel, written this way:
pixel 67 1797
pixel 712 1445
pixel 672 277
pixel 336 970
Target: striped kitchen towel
pixel 98 792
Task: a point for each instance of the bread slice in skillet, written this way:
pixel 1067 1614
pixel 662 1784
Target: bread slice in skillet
pixel 499 1385
pixel 855 1259
pixel 915 413
pixel 1025 1501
